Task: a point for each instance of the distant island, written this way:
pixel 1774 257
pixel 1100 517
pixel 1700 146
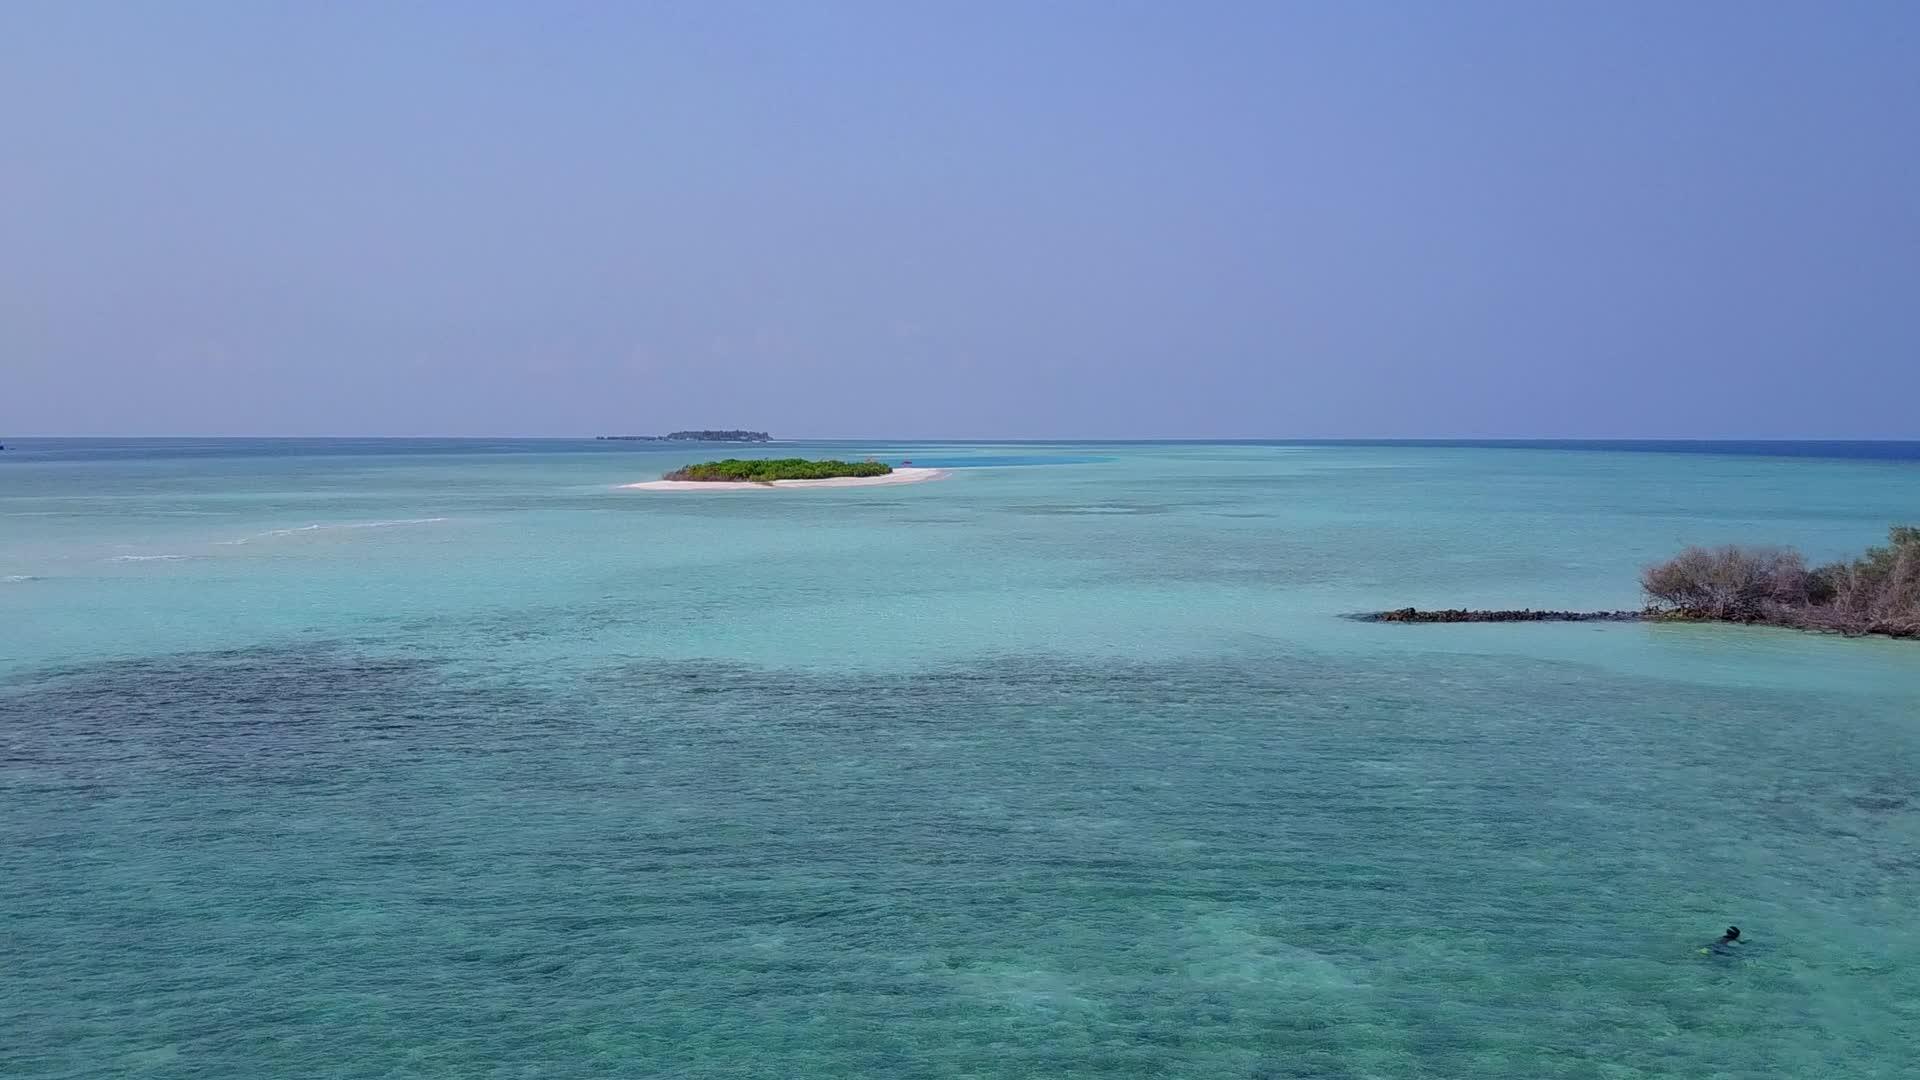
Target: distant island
pixel 1877 593
pixel 693 436
pixel 766 471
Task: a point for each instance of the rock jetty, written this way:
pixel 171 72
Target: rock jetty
pixel 1465 615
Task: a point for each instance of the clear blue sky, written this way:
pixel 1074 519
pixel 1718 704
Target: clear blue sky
pixel 961 219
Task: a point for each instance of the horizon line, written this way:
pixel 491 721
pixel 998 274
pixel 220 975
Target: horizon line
pixel 1047 439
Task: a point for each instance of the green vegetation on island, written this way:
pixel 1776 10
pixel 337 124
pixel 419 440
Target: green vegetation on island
pixel 1877 593
pixel 703 435
pixel 767 470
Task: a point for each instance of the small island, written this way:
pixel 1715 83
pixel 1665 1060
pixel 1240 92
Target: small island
pixel 703 435
pixel 767 470
pixel 1875 594
pixel 737 474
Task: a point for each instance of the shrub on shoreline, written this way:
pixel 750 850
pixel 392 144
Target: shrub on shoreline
pixel 767 470
pixel 1878 593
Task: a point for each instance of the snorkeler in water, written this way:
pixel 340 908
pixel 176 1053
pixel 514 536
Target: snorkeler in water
pixel 1731 937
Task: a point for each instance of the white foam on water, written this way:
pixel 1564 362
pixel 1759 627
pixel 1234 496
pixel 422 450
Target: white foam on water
pixel 147 558
pixel 271 533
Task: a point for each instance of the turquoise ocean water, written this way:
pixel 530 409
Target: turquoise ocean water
pixel 424 759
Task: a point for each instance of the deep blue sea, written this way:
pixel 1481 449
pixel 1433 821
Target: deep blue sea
pixel 374 758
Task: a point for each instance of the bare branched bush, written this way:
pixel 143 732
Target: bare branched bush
pixel 1728 582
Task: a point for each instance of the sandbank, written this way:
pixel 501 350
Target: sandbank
pixel 897 476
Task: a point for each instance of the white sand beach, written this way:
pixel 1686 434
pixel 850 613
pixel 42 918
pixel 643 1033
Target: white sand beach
pixel 897 476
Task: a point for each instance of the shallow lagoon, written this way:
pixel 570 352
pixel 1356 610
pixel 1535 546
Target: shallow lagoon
pixel 375 759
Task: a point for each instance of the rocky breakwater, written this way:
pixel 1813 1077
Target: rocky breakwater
pixel 1466 615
